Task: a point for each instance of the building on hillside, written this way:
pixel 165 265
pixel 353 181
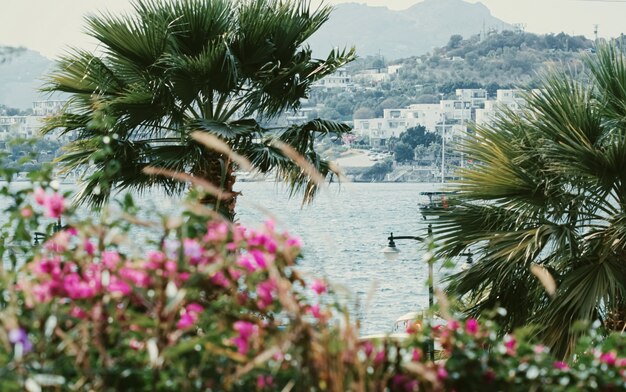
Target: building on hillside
pixel 48 107
pixel 339 79
pixel 511 99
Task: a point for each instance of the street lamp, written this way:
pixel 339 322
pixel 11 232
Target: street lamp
pixel 391 252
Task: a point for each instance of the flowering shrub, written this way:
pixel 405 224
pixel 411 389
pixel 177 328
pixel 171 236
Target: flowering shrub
pixel 210 305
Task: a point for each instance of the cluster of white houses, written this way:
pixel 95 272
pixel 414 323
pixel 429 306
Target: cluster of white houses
pixel 449 115
pixel 29 126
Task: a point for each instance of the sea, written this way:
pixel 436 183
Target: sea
pixel 344 231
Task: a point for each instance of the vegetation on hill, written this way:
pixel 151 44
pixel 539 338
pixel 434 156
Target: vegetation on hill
pixel 499 60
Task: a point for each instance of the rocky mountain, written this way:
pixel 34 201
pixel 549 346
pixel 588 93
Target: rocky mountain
pixel 21 73
pixel 400 34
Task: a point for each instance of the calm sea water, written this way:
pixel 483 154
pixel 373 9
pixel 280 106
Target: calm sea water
pixel 344 231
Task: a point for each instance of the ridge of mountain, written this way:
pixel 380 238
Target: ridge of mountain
pixel 21 75
pixel 405 33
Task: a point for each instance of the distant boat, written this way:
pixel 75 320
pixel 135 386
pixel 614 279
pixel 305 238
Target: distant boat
pixel 437 201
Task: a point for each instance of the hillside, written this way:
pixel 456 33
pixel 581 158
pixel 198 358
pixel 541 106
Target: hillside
pixel 21 72
pixel 499 60
pixel 400 34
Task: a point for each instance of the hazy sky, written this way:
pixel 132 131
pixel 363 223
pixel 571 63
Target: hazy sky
pixel 48 26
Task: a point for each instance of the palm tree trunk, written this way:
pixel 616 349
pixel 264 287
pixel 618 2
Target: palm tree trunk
pixel 219 172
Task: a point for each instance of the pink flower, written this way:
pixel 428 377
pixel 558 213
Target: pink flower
pixel 442 373
pixel 192 250
pixel 246 262
pixel 78 313
pixel 76 288
pixel 246 331
pixel 368 348
pixel 453 325
pixel 471 326
pixel 319 286
pixel 117 286
pixel 135 344
pixel 264 381
pixel 219 279
pixel 315 311
pixel 26 212
pixel 380 357
pixel 560 365
pixel 55 205
pixel 510 345
pixel 137 277
pixel 89 247
pixel 110 259
pixel 417 355
pixel 265 293
pixel 189 315
pixel 40 196
pixel 294 242
pixel 610 358
pixel 259 258
pixel 155 259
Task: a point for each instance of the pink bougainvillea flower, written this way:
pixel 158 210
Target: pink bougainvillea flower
pixel 453 325
pixel 220 279
pixel 138 277
pixel 560 365
pixel 26 212
pixel 380 357
pixel 246 262
pixel 264 381
pixel 89 247
pixel 110 259
pixel 471 326
pixel 118 286
pixel 135 344
pixel 192 250
pixel 40 196
pixel 78 313
pixel 610 358
pixel 55 205
pixel 316 312
pixel 259 258
pixel 442 373
pixel 417 355
pixel 265 293
pixel 319 286
pixel 246 332
pixel 189 315
pixel 368 348
pixel 510 344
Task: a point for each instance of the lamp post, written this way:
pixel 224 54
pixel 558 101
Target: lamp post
pixel 391 252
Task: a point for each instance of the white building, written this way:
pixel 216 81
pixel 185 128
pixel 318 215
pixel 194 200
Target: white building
pixel 338 79
pixel 469 105
pixel 48 108
pixel 505 98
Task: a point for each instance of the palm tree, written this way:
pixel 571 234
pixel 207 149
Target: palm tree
pixel 547 200
pixel 220 67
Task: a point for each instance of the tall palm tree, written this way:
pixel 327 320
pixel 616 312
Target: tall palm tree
pixel 221 67
pixel 547 200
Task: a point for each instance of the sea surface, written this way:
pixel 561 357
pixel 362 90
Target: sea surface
pixel 344 231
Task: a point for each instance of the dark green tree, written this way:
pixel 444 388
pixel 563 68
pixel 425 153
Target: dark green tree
pixel 403 152
pixel 219 67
